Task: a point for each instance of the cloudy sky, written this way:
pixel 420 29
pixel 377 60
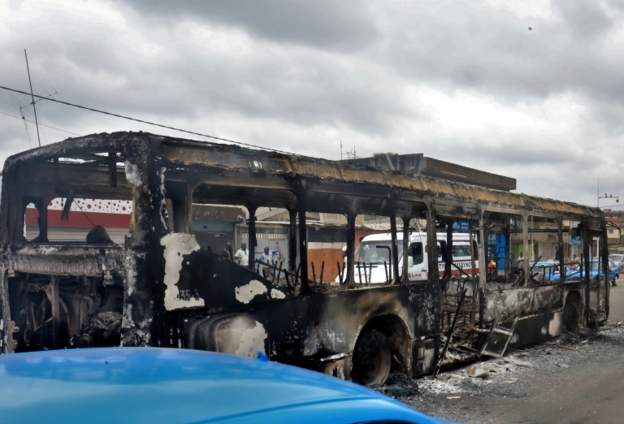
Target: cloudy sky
pixel 531 89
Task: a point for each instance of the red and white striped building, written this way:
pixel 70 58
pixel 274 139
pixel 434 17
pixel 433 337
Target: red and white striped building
pixel 114 215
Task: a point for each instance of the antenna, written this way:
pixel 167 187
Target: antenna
pixel 21 109
pixel 598 192
pixel 608 196
pixel 353 153
pixel 32 96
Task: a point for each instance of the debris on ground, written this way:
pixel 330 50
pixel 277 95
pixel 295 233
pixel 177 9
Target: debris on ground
pixel 478 372
pixel 438 386
pixel 516 361
pixel 482 392
pixel 399 385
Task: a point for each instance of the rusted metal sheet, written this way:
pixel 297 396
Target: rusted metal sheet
pixel 417 164
pixel 61 261
pixel 324 169
pixel 506 303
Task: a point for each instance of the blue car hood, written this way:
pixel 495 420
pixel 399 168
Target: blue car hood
pixel 173 386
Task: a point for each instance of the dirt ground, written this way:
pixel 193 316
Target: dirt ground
pixel 576 379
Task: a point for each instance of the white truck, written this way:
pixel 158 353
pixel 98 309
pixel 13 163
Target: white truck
pixel 372 258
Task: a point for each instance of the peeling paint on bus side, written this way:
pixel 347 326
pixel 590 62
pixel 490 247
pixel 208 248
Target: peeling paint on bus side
pixel 245 294
pixel 177 247
pixel 251 341
pixel 554 326
pixel 277 294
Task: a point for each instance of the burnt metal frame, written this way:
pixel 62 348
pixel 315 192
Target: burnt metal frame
pixel 160 159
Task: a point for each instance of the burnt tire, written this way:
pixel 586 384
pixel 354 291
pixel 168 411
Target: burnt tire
pixel 571 316
pixel 372 358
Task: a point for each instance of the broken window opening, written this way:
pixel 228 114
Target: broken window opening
pixel 572 238
pixel 272 254
pixel 215 228
pixel 416 268
pixel 327 235
pixel 377 249
pixel 260 238
pixel 176 211
pixel 596 271
pixel 88 220
pixel 458 268
pixel 505 248
pixel 544 250
pixel 596 265
pixel 66 198
pixel 458 252
pixel 32 223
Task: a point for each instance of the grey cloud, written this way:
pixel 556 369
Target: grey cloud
pixel 302 75
pixel 609 116
pixel 14 137
pixel 325 92
pixel 520 155
pixel 586 17
pixel 293 84
pixel 324 23
pixel 491 50
pixel 548 153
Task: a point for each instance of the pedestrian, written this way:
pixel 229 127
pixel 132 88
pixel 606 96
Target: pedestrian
pixel 265 259
pixel 241 256
pixel 276 255
pixel 227 251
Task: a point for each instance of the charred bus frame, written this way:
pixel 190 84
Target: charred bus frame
pixel 162 289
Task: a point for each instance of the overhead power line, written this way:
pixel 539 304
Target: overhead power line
pixel 23 118
pixel 143 121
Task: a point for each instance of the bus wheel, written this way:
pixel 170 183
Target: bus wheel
pixel 572 313
pixel 372 358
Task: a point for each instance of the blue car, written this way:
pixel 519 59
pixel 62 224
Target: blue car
pixel 550 271
pixel 152 385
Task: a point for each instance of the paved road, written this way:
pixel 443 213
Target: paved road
pixel 587 394
pixel 567 381
pixel 616 312
pixel 591 390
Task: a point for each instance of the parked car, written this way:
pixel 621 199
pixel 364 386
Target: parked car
pixel 152 385
pixel 545 270
pixel 549 271
pixel 618 259
pixel 573 273
pixel 614 271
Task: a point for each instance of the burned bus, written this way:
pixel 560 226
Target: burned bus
pixel 296 293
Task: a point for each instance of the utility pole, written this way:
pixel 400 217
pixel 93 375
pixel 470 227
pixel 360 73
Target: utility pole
pixel 597 192
pixel 607 196
pixel 352 153
pixel 32 97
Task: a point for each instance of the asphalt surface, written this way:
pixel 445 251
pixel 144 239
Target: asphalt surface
pixel 576 379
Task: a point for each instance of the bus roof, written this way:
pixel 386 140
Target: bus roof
pixel 193 153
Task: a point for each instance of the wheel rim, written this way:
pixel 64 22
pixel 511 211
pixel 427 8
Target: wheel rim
pixel 372 359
